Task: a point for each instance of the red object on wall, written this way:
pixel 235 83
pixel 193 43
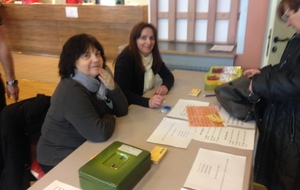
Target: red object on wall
pixel 29 1
pixel 73 1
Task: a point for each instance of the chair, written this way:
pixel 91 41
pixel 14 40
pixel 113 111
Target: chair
pixel 20 126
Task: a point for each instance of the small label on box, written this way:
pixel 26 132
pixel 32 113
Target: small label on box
pixel 130 150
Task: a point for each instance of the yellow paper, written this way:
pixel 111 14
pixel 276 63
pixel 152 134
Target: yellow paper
pixel 215 118
pixel 195 92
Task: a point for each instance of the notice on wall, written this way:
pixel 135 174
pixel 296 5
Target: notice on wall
pixel 71 12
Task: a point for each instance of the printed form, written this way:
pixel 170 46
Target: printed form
pixel 226 136
pixel 174 130
pixel 58 185
pixel 223 172
pixel 179 110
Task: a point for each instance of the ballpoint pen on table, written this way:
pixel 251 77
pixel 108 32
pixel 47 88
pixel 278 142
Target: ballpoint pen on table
pixel 209 95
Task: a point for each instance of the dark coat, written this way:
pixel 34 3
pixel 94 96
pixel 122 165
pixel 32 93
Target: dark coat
pixel 277 160
pixel 18 122
pixel 131 80
pixel 75 116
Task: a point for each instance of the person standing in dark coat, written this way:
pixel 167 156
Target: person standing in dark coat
pixel 277 160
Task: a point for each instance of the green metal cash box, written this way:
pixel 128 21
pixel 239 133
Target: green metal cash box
pixel 118 167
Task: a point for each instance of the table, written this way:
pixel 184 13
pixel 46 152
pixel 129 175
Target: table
pixel 135 128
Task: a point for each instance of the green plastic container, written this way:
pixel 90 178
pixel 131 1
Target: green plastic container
pixel 118 167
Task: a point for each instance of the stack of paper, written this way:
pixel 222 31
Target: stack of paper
pixel 174 130
pixel 222 48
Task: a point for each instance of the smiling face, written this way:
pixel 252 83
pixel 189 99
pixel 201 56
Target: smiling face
pixel 90 62
pixel 146 41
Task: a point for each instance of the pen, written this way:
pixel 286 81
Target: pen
pixel 209 95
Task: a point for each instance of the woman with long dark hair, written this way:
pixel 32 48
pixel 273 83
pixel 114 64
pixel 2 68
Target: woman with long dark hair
pixel 139 64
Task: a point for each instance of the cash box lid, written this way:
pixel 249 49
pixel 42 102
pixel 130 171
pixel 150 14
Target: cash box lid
pixel 119 166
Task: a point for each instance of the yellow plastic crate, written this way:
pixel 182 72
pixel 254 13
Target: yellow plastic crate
pixel 218 75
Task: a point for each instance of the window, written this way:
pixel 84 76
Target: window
pixel 203 21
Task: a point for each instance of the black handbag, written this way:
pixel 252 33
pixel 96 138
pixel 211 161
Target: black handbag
pixel 236 98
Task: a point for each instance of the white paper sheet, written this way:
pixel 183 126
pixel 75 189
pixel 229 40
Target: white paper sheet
pixel 179 110
pixel 222 48
pixel 234 122
pixel 226 136
pixel 172 132
pixel 213 170
pixel 58 185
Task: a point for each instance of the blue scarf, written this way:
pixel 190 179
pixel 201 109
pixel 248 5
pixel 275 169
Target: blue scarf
pixel 93 85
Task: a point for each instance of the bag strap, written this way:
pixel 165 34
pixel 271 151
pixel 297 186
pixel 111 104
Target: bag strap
pixel 254 100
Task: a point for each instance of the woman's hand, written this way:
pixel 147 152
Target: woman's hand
pixel 156 101
pixel 251 72
pixel 107 79
pixel 161 90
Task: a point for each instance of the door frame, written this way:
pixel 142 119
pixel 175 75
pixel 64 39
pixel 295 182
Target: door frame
pixel 269 32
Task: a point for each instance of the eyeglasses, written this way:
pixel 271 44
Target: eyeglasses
pixel 285 16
